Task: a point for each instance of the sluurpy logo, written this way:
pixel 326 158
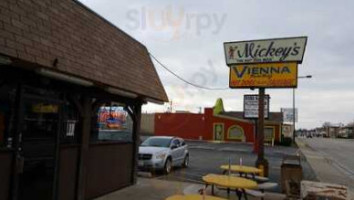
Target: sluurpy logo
pixel 174 23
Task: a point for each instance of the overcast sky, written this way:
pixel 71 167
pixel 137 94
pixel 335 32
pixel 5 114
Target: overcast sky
pixel 187 36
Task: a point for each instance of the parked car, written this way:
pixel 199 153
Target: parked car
pixel 162 153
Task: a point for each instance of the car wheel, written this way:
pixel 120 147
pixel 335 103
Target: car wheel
pixel 186 161
pixel 168 166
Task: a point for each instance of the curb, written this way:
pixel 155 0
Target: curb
pixel 219 142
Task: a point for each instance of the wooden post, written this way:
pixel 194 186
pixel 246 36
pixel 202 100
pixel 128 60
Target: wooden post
pixel 261 123
pixel 16 137
pixel 261 161
pixel 136 140
pixel 84 149
pixel 255 144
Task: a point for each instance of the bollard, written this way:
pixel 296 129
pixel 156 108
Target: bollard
pixel 264 166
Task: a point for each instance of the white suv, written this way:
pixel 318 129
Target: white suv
pixel 163 153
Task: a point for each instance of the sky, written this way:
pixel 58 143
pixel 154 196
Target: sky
pixel 188 36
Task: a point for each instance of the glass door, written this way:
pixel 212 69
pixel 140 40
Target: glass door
pixel 38 147
pixel 218 131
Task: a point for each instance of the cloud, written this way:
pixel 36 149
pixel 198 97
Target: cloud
pixel 192 46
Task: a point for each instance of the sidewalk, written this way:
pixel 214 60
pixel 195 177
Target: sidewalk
pixel 325 168
pixel 154 189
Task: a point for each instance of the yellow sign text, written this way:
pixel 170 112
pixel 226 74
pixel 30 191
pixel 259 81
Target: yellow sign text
pixel 270 75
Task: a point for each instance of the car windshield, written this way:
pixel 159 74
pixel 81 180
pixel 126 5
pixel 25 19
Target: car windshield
pixel 157 142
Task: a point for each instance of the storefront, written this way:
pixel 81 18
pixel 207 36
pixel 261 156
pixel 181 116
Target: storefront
pixel 70 108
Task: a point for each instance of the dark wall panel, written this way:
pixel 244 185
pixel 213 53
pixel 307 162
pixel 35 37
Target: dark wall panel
pixel 67 172
pixel 5 174
pixel 109 168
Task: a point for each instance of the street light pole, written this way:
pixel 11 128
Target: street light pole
pixel 294 115
pixel 294 112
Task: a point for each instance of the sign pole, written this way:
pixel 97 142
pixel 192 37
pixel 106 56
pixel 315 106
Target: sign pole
pixel 294 115
pixel 261 162
pixel 255 145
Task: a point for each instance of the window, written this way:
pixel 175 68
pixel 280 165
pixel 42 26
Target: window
pixel 268 133
pixel 2 128
pixel 236 133
pixel 7 96
pixel 176 142
pixel 71 124
pixel 114 124
pixel 156 142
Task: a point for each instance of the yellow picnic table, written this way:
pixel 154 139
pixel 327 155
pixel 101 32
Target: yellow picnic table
pixel 230 182
pixel 241 169
pixel 193 197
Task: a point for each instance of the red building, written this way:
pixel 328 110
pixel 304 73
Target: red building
pixel 217 125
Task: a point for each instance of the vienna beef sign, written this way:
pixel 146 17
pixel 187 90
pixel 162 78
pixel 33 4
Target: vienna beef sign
pixel 279 75
pixel 268 63
pixel 265 51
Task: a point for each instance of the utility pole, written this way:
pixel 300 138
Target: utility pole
pixel 294 116
pixel 294 109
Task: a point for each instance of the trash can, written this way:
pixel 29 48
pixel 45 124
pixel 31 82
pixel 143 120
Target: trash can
pixel 291 175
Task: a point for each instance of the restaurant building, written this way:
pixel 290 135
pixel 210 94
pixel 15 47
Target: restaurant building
pixel 71 90
pixel 216 124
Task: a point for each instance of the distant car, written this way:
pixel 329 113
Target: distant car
pixel 162 153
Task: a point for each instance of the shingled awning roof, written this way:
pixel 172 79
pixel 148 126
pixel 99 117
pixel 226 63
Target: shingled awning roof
pixel 84 44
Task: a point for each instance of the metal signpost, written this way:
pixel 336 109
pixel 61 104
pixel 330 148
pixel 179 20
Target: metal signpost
pixel 270 63
pixel 250 110
pixel 291 115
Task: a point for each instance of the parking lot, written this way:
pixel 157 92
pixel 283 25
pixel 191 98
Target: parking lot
pixel 207 157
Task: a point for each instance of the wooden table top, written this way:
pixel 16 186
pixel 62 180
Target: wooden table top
pixel 193 197
pixel 241 168
pixel 230 181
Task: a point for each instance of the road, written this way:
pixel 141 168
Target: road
pixel 331 159
pixel 207 157
pixel 341 151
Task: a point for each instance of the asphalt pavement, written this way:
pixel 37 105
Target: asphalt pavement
pixel 207 157
pixel 340 151
pixel 331 159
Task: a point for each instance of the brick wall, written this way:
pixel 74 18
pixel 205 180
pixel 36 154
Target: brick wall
pixel 184 125
pixel 195 126
pixel 39 31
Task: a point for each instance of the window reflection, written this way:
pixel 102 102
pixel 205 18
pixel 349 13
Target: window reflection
pixel 114 124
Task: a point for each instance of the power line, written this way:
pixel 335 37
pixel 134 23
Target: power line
pixel 182 79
